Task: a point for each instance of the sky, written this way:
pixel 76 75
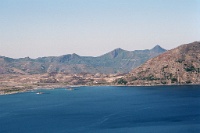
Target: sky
pixel 37 28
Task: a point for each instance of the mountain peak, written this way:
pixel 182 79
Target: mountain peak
pixel 75 55
pixel 116 52
pixel 158 48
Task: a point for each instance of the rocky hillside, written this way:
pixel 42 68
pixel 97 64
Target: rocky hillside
pixel 177 66
pixel 116 61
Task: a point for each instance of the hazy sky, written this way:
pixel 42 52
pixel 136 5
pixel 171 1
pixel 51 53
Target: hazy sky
pixel 93 27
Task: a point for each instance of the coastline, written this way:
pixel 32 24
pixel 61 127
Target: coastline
pixel 56 86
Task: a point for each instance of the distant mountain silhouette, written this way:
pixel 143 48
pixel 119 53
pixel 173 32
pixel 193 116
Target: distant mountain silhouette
pixel 158 49
pixel 116 61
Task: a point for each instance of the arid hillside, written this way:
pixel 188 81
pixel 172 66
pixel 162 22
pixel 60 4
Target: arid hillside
pixel 180 65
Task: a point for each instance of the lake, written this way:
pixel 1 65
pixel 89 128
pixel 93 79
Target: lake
pixel 160 109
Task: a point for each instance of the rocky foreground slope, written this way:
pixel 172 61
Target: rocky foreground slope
pixel 180 65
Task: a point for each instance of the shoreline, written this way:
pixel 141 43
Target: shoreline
pixel 50 87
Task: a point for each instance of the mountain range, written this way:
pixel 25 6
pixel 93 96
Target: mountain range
pixel 116 61
pixel 178 66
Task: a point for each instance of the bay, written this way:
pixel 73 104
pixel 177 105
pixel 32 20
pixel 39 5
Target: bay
pixel 103 109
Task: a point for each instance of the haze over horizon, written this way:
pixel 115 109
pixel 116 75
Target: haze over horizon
pixel 37 28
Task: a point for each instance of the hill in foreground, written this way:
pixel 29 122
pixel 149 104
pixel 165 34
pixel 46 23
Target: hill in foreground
pixel 180 65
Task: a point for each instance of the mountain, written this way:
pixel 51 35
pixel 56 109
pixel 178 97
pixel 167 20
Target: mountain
pixel 180 65
pixel 158 49
pixel 116 61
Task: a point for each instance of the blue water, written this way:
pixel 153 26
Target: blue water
pixel 168 109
